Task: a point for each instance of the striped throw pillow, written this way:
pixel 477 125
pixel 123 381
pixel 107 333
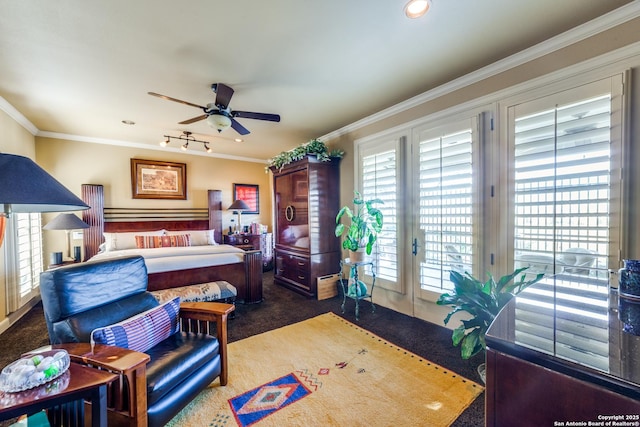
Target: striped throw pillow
pixel 173 241
pixel 143 331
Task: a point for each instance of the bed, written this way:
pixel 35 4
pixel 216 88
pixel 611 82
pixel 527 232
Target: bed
pixel 171 267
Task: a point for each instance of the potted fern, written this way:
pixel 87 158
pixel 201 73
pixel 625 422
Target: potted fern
pixel 483 301
pixel 362 232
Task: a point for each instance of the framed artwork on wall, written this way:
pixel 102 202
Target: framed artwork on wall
pixel 151 179
pixel 250 193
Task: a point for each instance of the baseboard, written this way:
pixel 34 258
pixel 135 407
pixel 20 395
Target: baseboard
pixel 17 315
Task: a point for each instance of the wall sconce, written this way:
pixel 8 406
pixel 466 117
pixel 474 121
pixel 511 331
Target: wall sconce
pixel 187 138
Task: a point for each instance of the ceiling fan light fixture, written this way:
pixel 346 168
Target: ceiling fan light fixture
pixel 219 122
pixel 417 8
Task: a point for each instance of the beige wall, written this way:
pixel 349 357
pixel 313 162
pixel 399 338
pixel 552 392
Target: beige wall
pixel 619 37
pixel 75 163
pixel 14 139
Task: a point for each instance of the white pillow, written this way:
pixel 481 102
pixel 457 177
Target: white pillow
pixel 299 230
pixel 198 237
pixel 120 241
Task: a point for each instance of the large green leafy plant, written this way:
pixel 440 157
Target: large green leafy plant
pixel 366 223
pixel 314 147
pixel 483 301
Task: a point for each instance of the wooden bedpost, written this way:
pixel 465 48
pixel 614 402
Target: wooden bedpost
pixel 92 195
pixel 215 213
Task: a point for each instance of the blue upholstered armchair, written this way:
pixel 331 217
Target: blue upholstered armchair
pixel 102 314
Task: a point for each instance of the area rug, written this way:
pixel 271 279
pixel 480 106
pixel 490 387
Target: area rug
pixel 326 371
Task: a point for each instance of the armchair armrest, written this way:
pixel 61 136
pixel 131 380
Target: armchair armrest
pixel 128 397
pixel 202 313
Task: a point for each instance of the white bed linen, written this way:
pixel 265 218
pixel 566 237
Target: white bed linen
pixel 159 260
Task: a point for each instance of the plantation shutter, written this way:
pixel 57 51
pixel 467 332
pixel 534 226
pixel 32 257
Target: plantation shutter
pixel 563 210
pixel 446 199
pixel 27 263
pixel 378 163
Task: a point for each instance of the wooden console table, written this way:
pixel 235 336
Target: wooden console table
pixel 539 385
pixel 63 397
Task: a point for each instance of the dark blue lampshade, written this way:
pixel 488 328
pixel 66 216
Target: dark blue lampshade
pixel 26 187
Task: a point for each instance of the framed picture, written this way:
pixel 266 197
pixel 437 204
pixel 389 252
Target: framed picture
pixel 151 179
pixel 250 194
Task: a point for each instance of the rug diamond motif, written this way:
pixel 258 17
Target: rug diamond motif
pixel 268 397
pixel 260 402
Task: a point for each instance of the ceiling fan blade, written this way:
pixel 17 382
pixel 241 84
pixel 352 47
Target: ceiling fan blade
pixel 176 100
pixel 257 116
pixel 238 127
pixel 223 95
pixel 193 120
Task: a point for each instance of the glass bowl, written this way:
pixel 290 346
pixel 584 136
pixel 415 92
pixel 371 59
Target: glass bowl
pixel 34 370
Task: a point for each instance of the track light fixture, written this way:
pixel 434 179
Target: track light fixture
pixel 187 138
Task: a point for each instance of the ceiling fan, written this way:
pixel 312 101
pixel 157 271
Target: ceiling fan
pixel 218 114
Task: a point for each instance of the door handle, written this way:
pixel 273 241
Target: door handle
pixel 414 246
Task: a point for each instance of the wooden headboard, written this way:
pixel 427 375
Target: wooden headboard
pixel 120 220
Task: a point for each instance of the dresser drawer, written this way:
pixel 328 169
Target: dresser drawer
pixel 294 268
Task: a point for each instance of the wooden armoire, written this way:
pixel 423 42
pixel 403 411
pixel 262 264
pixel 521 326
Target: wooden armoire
pixel 307 199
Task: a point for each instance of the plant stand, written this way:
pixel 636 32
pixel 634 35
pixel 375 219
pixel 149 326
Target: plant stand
pixel 353 277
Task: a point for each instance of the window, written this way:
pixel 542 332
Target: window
pixel 563 213
pixel 24 253
pixel 446 202
pixel 379 179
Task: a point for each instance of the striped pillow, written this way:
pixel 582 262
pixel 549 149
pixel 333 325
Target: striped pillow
pixel 143 331
pixel 172 241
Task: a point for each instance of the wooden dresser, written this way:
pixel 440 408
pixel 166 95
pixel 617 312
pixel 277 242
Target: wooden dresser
pixel 539 385
pixel 306 202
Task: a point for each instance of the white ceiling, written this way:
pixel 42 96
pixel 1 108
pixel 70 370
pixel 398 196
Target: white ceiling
pixel 78 68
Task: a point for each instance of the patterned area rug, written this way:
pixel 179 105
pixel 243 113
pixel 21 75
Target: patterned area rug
pixel 327 371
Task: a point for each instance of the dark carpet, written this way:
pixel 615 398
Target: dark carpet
pixel 282 307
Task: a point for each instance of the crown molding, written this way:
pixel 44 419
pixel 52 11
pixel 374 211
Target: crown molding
pixel 616 17
pixel 130 144
pixel 17 116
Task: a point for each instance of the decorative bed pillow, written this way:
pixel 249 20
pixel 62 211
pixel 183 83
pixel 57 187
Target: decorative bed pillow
pixel 120 241
pixel 143 331
pixel 173 241
pixel 198 237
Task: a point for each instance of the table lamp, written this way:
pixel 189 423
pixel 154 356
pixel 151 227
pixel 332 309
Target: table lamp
pixel 239 206
pixel 66 222
pixel 26 187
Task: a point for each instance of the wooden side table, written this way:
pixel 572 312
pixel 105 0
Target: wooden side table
pixel 64 398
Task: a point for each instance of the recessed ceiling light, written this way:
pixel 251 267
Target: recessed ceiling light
pixel 128 122
pixel 239 140
pixel 417 8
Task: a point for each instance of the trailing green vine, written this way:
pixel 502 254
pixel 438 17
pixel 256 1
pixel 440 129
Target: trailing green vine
pixel 314 147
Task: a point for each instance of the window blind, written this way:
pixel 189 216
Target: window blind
pixel 27 261
pixel 446 207
pixel 380 181
pixel 562 165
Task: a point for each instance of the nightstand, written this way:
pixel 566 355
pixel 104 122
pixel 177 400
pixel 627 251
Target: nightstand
pixel 254 242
